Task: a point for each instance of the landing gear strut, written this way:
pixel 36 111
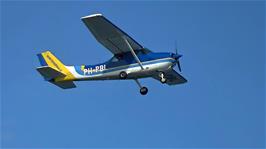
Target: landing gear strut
pixel 143 90
pixel 162 77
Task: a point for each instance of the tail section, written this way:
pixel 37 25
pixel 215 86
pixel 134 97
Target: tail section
pixel 53 69
pixel 48 59
pixel 49 73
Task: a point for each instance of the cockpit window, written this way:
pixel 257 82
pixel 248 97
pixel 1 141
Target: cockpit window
pixel 145 51
pixel 119 57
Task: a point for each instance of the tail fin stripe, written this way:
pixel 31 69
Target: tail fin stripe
pixel 41 59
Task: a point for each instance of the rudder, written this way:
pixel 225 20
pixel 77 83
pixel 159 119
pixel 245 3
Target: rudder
pixel 48 59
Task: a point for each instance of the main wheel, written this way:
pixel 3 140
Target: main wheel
pixel 123 75
pixel 144 90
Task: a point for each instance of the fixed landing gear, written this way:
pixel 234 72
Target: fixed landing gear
pixel 162 77
pixel 143 90
pixel 123 75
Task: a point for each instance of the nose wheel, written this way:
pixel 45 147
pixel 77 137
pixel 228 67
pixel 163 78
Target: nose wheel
pixel 143 90
pixel 162 77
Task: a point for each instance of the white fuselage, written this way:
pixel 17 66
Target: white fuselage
pixel 134 70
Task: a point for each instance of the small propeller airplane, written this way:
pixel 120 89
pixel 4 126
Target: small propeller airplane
pixel 130 60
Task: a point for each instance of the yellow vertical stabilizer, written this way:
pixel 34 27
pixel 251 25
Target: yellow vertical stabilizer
pixel 47 58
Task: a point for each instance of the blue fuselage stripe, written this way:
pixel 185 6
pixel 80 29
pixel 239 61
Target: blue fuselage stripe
pixel 79 71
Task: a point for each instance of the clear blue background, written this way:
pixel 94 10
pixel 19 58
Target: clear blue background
pixel 222 105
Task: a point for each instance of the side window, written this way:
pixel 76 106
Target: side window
pixel 117 58
pixel 114 59
pixel 120 57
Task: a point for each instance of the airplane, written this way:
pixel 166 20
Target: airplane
pixel 130 61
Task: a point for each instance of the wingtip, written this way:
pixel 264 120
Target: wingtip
pixel 91 16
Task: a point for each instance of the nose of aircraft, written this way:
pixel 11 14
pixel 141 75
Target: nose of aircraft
pixel 176 56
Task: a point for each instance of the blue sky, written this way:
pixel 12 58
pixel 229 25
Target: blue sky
pixel 222 105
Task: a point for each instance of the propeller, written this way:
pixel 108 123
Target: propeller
pixel 177 56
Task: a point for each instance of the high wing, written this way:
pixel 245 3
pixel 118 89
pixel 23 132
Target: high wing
pixel 110 36
pixel 173 78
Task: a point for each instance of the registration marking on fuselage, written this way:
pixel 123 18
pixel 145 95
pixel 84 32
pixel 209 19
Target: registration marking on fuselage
pixel 91 70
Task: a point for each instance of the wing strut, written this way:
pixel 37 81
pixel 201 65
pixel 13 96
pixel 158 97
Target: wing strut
pixel 133 53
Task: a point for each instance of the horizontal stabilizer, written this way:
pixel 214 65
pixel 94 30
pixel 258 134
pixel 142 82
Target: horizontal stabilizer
pixel 64 84
pixel 49 73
